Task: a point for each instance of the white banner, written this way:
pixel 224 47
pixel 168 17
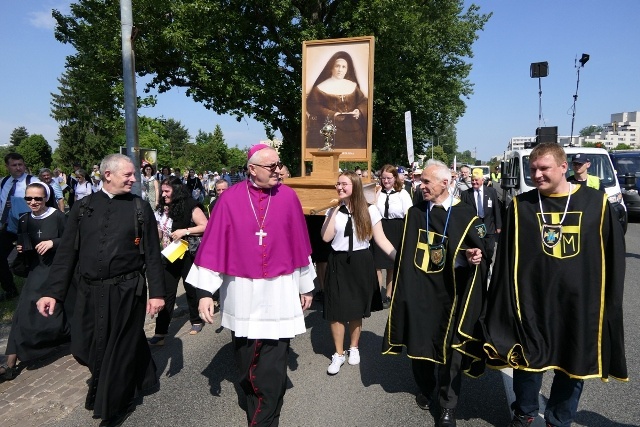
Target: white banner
pixel 409 134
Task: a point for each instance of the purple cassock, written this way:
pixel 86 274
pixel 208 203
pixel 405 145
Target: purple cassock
pixel 269 239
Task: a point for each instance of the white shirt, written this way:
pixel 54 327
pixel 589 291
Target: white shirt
pixel 21 187
pixel 399 203
pixel 475 196
pixel 83 190
pixel 340 242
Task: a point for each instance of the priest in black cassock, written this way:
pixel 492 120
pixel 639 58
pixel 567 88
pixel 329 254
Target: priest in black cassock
pixel 109 245
pixel 439 291
pixel 555 300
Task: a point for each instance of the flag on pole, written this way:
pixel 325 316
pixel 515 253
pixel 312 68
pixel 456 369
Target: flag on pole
pixel 409 135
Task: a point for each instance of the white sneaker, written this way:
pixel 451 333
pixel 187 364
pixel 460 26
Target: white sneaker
pixel 354 356
pixel 337 361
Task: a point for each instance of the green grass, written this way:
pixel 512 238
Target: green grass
pixel 7 308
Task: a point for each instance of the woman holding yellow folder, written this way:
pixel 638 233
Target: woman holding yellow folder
pixel 179 217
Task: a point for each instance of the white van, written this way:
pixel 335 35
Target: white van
pixel 516 176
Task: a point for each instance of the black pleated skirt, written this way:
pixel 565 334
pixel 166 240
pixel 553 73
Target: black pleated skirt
pixel 351 288
pixel 319 248
pixel 393 229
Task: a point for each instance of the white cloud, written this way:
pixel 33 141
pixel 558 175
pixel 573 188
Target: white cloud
pixel 42 20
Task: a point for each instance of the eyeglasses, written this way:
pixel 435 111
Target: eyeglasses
pixel 272 167
pixel 35 199
pixel 342 184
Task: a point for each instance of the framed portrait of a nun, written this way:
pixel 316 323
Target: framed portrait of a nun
pixel 337 90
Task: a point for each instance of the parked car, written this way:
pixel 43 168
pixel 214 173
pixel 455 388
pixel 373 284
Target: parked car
pixel 627 166
pixel 516 176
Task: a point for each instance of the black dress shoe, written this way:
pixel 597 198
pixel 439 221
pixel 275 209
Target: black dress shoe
pixel 423 402
pixel 447 417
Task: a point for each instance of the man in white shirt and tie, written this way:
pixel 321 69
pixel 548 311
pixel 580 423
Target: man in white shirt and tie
pixel 485 200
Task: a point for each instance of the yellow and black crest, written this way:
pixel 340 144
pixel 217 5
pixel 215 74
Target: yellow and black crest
pixel 560 240
pixel 431 251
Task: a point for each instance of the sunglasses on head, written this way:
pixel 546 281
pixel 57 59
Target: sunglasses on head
pixel 36 199
pixel 272 167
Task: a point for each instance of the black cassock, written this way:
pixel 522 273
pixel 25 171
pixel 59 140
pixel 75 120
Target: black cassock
pixel 107 328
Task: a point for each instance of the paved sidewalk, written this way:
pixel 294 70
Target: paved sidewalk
pixel 52 388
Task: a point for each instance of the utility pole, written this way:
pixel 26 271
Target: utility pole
pixel 130 98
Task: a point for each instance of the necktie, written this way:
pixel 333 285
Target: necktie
pixel 386 203
pixel 479 202
pixel 348 230
pixel 7 203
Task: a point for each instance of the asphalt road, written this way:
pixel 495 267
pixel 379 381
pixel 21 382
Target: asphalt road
pixel 197 386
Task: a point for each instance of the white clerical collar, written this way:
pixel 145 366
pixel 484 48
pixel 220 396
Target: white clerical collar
pixel 111 196
pixel 43 215
pixel 444 205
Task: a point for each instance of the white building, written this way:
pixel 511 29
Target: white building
pixel 518 142
pixel 622 129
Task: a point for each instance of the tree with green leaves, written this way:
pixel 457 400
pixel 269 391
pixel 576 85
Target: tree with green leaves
pixel 18 135
pixel 209 152
pixel 90 123
pixel 244 57
pixel 36 152
pixel 438 153
pixel 589 130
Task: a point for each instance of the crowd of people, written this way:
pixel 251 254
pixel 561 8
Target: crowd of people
pixel 467 283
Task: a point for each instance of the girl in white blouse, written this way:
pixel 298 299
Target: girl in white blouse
pixel 393 202
pixel 351 289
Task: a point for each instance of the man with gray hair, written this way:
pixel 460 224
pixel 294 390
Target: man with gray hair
pixel 109 248
pixel 464 179
pixel 439 292
pixel 46 176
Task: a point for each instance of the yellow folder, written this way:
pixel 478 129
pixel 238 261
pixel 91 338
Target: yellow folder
pixel 175 250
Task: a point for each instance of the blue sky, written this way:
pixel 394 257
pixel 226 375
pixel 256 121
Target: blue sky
pixel 505 99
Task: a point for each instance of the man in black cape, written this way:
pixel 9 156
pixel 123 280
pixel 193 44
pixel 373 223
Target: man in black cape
pixel 438 293
pixel 110 243
pixel 555 300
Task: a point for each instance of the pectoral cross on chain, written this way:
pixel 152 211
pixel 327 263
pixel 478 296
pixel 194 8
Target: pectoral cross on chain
pixel 39 233
pixel 260 234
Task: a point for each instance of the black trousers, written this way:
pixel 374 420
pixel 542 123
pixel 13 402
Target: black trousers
pixel 6 246
pixel 448 381
pixel 262 365
pixel 490 246
pixel 173 272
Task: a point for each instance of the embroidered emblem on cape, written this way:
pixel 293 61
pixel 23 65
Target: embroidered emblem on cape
pixel 430 257
pixel 560 241
pixel 551 235
pixel 482 230
pixel 436 253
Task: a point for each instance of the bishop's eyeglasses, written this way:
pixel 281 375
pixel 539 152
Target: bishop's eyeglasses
pixel 272 167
